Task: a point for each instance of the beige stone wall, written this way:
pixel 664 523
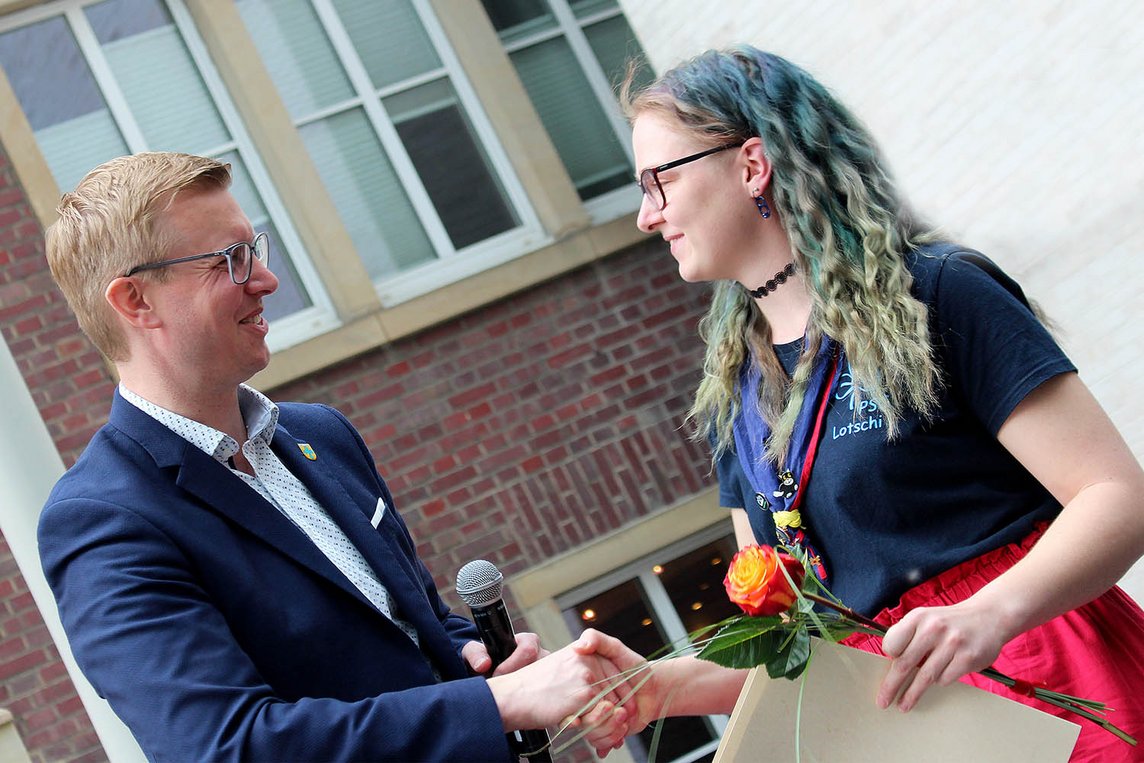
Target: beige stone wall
pixel 1016 126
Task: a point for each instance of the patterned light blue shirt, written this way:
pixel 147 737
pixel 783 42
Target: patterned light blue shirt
pixel 276 484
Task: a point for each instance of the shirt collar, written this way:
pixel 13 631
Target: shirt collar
pixel 259 414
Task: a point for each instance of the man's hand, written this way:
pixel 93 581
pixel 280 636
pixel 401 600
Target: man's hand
pixel 627 710
pixel 527 651
pixel 559 685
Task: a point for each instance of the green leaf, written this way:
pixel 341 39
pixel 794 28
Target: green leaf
pixel 745 627
pixel 790 659
pixel 749 642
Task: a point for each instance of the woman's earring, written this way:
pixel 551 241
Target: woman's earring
pixel 761 203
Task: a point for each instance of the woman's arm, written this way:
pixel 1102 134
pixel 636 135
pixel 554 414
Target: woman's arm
pixel 744 535
pixel 1064 439
pixel 677 687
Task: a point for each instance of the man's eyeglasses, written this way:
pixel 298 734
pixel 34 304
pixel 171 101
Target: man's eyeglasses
pixel 649 178
pixel 240 258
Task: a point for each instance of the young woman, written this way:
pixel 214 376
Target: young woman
pixel 888 401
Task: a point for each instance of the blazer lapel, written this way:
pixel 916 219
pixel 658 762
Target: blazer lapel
pixel 222 492
pixel 320 477
pixel 378 545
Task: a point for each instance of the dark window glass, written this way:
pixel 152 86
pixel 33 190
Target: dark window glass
pixel 61 99
pixel 121 19
pixel 451 164
pixel 48 74
pixel 693 583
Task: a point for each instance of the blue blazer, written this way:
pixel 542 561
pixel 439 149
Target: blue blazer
pixel 218 631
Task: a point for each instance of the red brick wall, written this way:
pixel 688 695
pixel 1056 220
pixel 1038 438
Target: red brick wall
pixel 514 433
pixel 538 423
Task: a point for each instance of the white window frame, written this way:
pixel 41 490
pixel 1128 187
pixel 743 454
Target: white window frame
pixel 451 264
pixel 619 201
pixel 291 329
pixel 675 632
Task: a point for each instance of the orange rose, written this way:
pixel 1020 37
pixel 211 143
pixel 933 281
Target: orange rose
pixel 756 583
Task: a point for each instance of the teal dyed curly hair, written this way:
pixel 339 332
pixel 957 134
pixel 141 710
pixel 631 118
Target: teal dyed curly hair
pixel 848 231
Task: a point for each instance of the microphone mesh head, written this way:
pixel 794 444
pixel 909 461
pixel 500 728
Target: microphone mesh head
pixel 479 583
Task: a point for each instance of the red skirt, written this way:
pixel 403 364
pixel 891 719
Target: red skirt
pixel 1095 651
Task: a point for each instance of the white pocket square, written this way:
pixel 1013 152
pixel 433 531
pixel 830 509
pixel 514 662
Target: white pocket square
pixel 378 513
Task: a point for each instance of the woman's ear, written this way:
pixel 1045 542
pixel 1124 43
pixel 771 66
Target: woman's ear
pixel 757 167
pixel 130 302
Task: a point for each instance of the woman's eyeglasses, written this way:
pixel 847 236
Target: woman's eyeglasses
pixel 649 178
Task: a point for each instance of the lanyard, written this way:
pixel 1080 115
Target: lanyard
pixel 815 436
pixel 775 491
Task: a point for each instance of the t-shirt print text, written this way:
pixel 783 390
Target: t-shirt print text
pixel 866 418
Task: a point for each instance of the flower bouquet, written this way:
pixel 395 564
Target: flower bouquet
pixel 784 607
pixel 779 598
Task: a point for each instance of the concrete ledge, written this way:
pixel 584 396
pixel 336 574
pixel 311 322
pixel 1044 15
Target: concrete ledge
pixel 12 750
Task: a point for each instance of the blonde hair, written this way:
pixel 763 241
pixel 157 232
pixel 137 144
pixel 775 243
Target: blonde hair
pixel 848 230
pixel 110 223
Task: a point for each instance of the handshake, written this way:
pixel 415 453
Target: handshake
pixel 595 686
pixel 581 687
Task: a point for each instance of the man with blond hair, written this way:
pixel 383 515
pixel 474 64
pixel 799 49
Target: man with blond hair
pixel 231 572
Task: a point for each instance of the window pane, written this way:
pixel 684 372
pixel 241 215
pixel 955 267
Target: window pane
pixel 51 79
pixel 626 613
pixel 623 612
pixel 516 19
pixel 694 583
pixel 451 162
pixel 291 295
pixel 584 8
pixel 615 44
pixel 154 70
pixel 119 20
pixel 389 38
pixel 367 193
pixel 297 52
pixel 573 117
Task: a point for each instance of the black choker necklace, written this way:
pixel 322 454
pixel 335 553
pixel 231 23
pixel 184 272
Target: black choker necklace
pixel 779 279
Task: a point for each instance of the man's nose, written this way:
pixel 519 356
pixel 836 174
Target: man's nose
pixel 262 279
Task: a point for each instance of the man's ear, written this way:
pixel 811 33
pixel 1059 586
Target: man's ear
pixel 128 299
pixel 757 167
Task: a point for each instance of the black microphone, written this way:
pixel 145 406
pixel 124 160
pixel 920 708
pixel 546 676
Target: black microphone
pixel 479 585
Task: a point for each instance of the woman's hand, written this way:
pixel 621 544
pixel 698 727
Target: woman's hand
pixel 675 687
pixel 938 645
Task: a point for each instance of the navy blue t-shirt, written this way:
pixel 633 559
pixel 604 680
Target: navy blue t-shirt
pixel 888 515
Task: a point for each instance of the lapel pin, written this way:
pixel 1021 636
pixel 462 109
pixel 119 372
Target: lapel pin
pixel 307 451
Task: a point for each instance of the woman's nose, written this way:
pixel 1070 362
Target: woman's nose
pixel 649 215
